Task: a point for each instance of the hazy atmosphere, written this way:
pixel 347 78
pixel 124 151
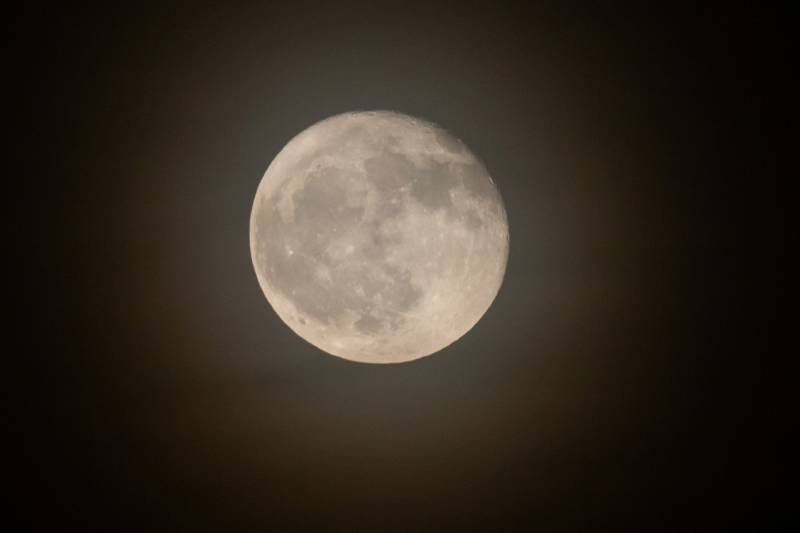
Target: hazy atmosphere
pixel 611 383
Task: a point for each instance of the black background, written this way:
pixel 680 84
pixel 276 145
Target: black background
pixel 611 384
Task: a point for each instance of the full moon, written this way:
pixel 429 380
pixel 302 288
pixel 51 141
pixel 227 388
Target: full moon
pixel 378 237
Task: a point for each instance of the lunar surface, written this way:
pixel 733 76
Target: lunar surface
pixel 378 237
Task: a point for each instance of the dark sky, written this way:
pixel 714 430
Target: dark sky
pixel 611 384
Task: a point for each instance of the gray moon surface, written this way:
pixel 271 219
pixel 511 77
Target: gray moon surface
pixel 378 237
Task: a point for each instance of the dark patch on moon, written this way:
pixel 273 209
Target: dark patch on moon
pixel 389 171
pixel 369 324
pixel 473 219
pixel 431 185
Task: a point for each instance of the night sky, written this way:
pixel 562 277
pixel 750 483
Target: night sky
pixel 610 385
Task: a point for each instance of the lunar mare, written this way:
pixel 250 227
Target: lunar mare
pixel 378 237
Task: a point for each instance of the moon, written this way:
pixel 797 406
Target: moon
pixel 378 237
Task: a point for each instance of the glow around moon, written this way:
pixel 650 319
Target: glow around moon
pixel 378 237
